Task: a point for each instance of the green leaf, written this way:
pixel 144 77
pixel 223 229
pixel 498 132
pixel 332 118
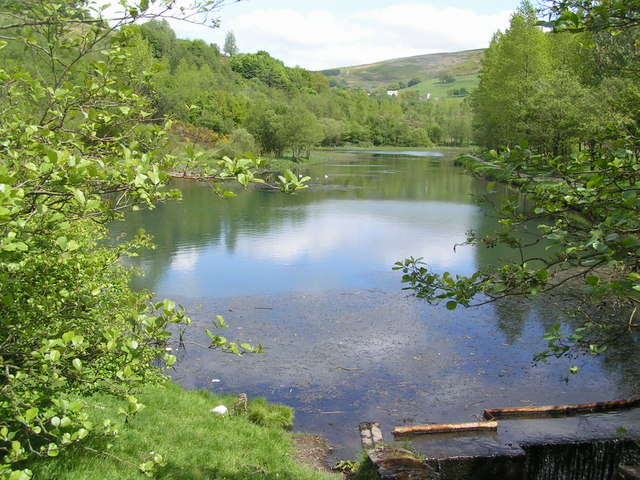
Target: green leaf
pixel 20 475
pixel 68 336
pixel 79 196
pixel 154 177
pixel 168 306
pixel 31 414
pixel 140 180
pixel 21 246
pixel 221 322
pixel 593 280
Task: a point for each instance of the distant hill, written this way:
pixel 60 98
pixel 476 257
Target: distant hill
pixel 462 66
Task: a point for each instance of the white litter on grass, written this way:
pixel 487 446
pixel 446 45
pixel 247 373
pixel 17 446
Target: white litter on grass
pixel 220 409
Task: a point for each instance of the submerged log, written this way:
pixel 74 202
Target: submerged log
pixel 446 428
pixel 550 410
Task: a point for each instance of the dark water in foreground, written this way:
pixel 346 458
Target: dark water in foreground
pixel 309 277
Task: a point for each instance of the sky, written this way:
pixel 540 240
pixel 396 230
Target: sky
pixel 325 34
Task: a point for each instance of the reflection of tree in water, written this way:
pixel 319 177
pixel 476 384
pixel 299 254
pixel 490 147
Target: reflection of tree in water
pixel 511 316
pixel 398 177
pixel 622 359
pixel 488 225
pixel 202 219
pixel 622 356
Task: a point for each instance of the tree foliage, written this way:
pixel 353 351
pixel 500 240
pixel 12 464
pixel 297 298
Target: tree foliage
pixel 447 77
pixel 230 47
pixel 197 85
pixel 262 66
pixel 515 61
pixel 80 143
pixel 595 16
pixel 580 170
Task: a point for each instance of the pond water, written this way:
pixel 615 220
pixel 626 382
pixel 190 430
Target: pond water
pixel 310 277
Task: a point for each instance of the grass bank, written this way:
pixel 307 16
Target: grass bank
pixel 489 171
pixel 194 442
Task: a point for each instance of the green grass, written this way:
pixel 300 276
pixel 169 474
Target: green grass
pixel 440 90
pixel 195 443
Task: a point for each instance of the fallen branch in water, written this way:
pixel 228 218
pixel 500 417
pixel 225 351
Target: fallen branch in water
pixel 446 428
pixel 549 410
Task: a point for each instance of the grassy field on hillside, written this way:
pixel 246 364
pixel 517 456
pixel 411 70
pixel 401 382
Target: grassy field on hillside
pixel 426 68
pixel 445 90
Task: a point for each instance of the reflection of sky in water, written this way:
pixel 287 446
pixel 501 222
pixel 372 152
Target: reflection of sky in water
pixel 185 260
pixel 338 244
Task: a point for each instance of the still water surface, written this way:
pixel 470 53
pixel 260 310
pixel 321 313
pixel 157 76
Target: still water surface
pixel 309 276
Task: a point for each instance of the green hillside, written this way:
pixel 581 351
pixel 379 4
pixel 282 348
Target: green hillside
pixel 462 66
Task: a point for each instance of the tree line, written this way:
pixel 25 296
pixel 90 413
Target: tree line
pixel 252 102
pixel 561 91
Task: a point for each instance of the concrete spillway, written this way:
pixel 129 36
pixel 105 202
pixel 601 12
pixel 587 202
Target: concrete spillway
pixel 578 447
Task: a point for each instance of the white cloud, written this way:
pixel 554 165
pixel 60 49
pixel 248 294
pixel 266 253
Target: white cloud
pixel 322 39
pixel 435 28
pixel 302 29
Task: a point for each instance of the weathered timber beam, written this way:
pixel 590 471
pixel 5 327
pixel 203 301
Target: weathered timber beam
pixel 446 428
pixel 550 410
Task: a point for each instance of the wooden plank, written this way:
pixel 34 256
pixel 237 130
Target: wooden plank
pixel 446 428
pixel 550 410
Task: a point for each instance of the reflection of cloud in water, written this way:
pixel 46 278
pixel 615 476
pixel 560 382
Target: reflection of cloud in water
pixel 384 231
pixel 185 259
